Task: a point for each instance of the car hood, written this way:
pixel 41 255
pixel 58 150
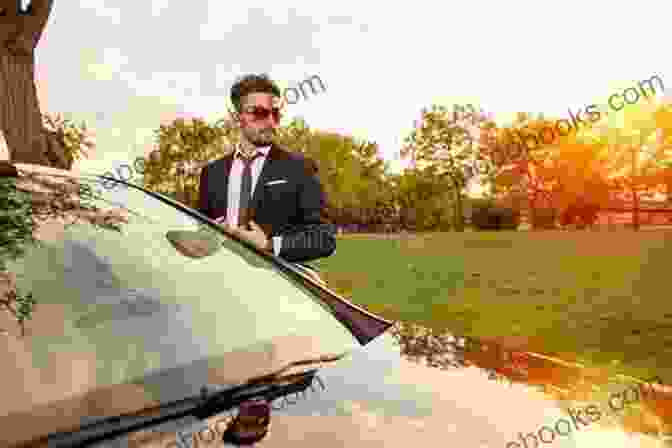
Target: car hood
pixel 51 402
pixel 414 387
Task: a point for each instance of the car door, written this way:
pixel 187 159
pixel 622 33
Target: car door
pixel 133 304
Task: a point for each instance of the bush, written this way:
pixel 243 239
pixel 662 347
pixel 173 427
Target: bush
pixel 482 219
pixel 495 218
pixel 586 214
pixel 544 218
pixel 509 219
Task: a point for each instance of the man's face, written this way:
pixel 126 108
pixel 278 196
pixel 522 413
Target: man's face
pixel 259 117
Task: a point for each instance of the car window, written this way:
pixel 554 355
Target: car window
pixel 133 289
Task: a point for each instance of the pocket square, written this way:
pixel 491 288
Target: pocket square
pixel 275 182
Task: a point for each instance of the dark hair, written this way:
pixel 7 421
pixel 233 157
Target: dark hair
pixel 252 84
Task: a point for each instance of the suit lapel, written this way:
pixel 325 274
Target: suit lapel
pixel 268 172
pixel 228 161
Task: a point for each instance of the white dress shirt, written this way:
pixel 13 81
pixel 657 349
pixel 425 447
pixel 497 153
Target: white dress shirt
pixel 235 183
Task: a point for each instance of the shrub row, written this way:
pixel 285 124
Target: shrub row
pixel 490 217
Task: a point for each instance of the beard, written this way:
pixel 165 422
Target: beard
pixel 259 137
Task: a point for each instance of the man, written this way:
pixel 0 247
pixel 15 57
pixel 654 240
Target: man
pixel 264 193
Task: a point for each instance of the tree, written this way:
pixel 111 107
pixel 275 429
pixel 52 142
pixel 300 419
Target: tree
pixel 20 117
pixel 296 135
pixel 351 171
pixel 425 201
pixel 448 143
pixel 184 147
pixel 555 173
pixel 640 152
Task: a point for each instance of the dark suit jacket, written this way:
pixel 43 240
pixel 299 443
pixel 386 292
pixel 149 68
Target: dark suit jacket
pixel 293 209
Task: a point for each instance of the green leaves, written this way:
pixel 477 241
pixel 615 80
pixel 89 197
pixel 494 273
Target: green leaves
pixel 445 147
pixel 20 306
pixel 75 139
pixel 183 148
pixel 16 223
pixel 25 306
pixel 446 140
pixel 354 176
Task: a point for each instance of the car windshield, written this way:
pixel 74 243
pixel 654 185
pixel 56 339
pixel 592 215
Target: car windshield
pixel 142 295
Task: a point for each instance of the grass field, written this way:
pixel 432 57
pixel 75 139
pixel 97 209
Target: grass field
pixel 597 297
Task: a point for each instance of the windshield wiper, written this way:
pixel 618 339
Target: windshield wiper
pixel 200 407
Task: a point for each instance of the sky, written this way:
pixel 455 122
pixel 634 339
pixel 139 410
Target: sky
pixel 127 66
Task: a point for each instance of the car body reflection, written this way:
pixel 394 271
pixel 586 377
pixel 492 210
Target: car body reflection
pixel 414 386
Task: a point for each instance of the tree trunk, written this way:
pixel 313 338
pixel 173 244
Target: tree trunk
pixel 458 207
pixel 635 209
pixel 532 208
pixel 20 116
pixel 635 193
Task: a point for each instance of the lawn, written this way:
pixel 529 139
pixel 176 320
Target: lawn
pixel 596 297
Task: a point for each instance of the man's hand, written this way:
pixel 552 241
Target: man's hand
pixel 256 236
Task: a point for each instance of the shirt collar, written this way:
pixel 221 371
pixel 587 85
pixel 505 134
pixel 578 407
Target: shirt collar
pixel 263 150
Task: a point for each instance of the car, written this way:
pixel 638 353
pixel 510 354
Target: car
pixel 131 320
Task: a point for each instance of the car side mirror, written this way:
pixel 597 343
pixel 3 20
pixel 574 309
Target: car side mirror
pixel 251 425
pixel 194 244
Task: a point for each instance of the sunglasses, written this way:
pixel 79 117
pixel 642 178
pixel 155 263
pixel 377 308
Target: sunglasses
pixel 261 113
